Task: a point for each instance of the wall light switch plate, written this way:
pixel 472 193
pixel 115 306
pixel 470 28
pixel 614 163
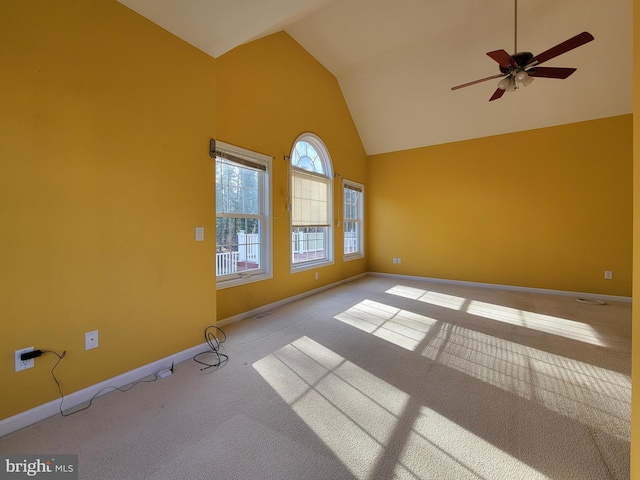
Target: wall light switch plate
pixel 91 340
pixel 199 234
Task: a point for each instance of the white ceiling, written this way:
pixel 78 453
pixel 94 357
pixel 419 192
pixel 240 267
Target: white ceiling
pixel 396 60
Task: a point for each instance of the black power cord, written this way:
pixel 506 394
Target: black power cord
pixel 120 389
pixel 214 336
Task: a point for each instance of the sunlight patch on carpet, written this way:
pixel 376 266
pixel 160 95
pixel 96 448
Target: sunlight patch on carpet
pixel 400 327
pixel 563 327
pixel 587 393
pixel 356 413
pixel 434 298
pixel 436 444
pixel 352 411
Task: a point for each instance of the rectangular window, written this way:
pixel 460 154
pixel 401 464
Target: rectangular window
pixel 243 249
pixel 353 220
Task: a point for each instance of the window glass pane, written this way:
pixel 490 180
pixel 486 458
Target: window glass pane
pixel 308 244
pixel 306 157
pixel 351 203
pixel 351 238
pixel 237 188
pixel 237 245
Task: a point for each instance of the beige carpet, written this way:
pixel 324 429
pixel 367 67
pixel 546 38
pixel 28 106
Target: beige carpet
pixel 380 378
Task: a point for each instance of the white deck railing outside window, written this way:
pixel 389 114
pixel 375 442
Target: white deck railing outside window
pixel 226 263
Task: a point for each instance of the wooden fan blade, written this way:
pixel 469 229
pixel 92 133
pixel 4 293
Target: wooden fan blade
pixel 551 72
pixel 497 94
pixel 503 58
pixel 477 81
pixel 574 42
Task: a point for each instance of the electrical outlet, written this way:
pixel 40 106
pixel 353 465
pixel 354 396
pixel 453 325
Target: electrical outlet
pixel 399 260
pixel 24 364
pixel 317 276
pixel 608 274
pixel 91 340
pixel 395 260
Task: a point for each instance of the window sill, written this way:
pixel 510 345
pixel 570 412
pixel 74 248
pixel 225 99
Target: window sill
pixel 310 266
pixel 236 281
pixel 353 256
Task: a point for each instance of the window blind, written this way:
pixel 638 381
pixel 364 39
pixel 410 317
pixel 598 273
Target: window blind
pixel 241 156
pixel 310 195
pixel 241 161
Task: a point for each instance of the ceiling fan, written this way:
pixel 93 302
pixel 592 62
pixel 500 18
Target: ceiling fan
pixel 522 67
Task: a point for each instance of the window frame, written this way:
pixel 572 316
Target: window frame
pixel 350 184
pixel 265 216
pixel 325 158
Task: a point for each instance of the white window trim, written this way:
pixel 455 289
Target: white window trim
pixel 266 271
pixel 322 149
pixel 360 254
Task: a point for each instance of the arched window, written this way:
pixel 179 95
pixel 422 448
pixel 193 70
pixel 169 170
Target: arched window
pixel 311 205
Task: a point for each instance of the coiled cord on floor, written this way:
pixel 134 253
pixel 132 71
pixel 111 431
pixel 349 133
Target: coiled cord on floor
pixel 214 336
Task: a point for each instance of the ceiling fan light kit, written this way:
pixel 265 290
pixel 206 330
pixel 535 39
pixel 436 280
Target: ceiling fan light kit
pixel 511 83
pixel 521 67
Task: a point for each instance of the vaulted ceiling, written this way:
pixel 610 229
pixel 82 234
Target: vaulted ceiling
pixel 396 61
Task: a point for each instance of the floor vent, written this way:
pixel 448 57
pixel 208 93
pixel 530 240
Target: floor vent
pixel 263 315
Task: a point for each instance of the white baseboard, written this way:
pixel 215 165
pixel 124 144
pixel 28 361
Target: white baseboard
pixel 73 400
pixel 21 420
pixel 29 417
pixel 24 419
pixel 565 293
pixel 279 303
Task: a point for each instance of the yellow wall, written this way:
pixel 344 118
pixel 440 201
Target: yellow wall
pixel 104 173
pixel 548 208
pixel 635 364
pixel 269 92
